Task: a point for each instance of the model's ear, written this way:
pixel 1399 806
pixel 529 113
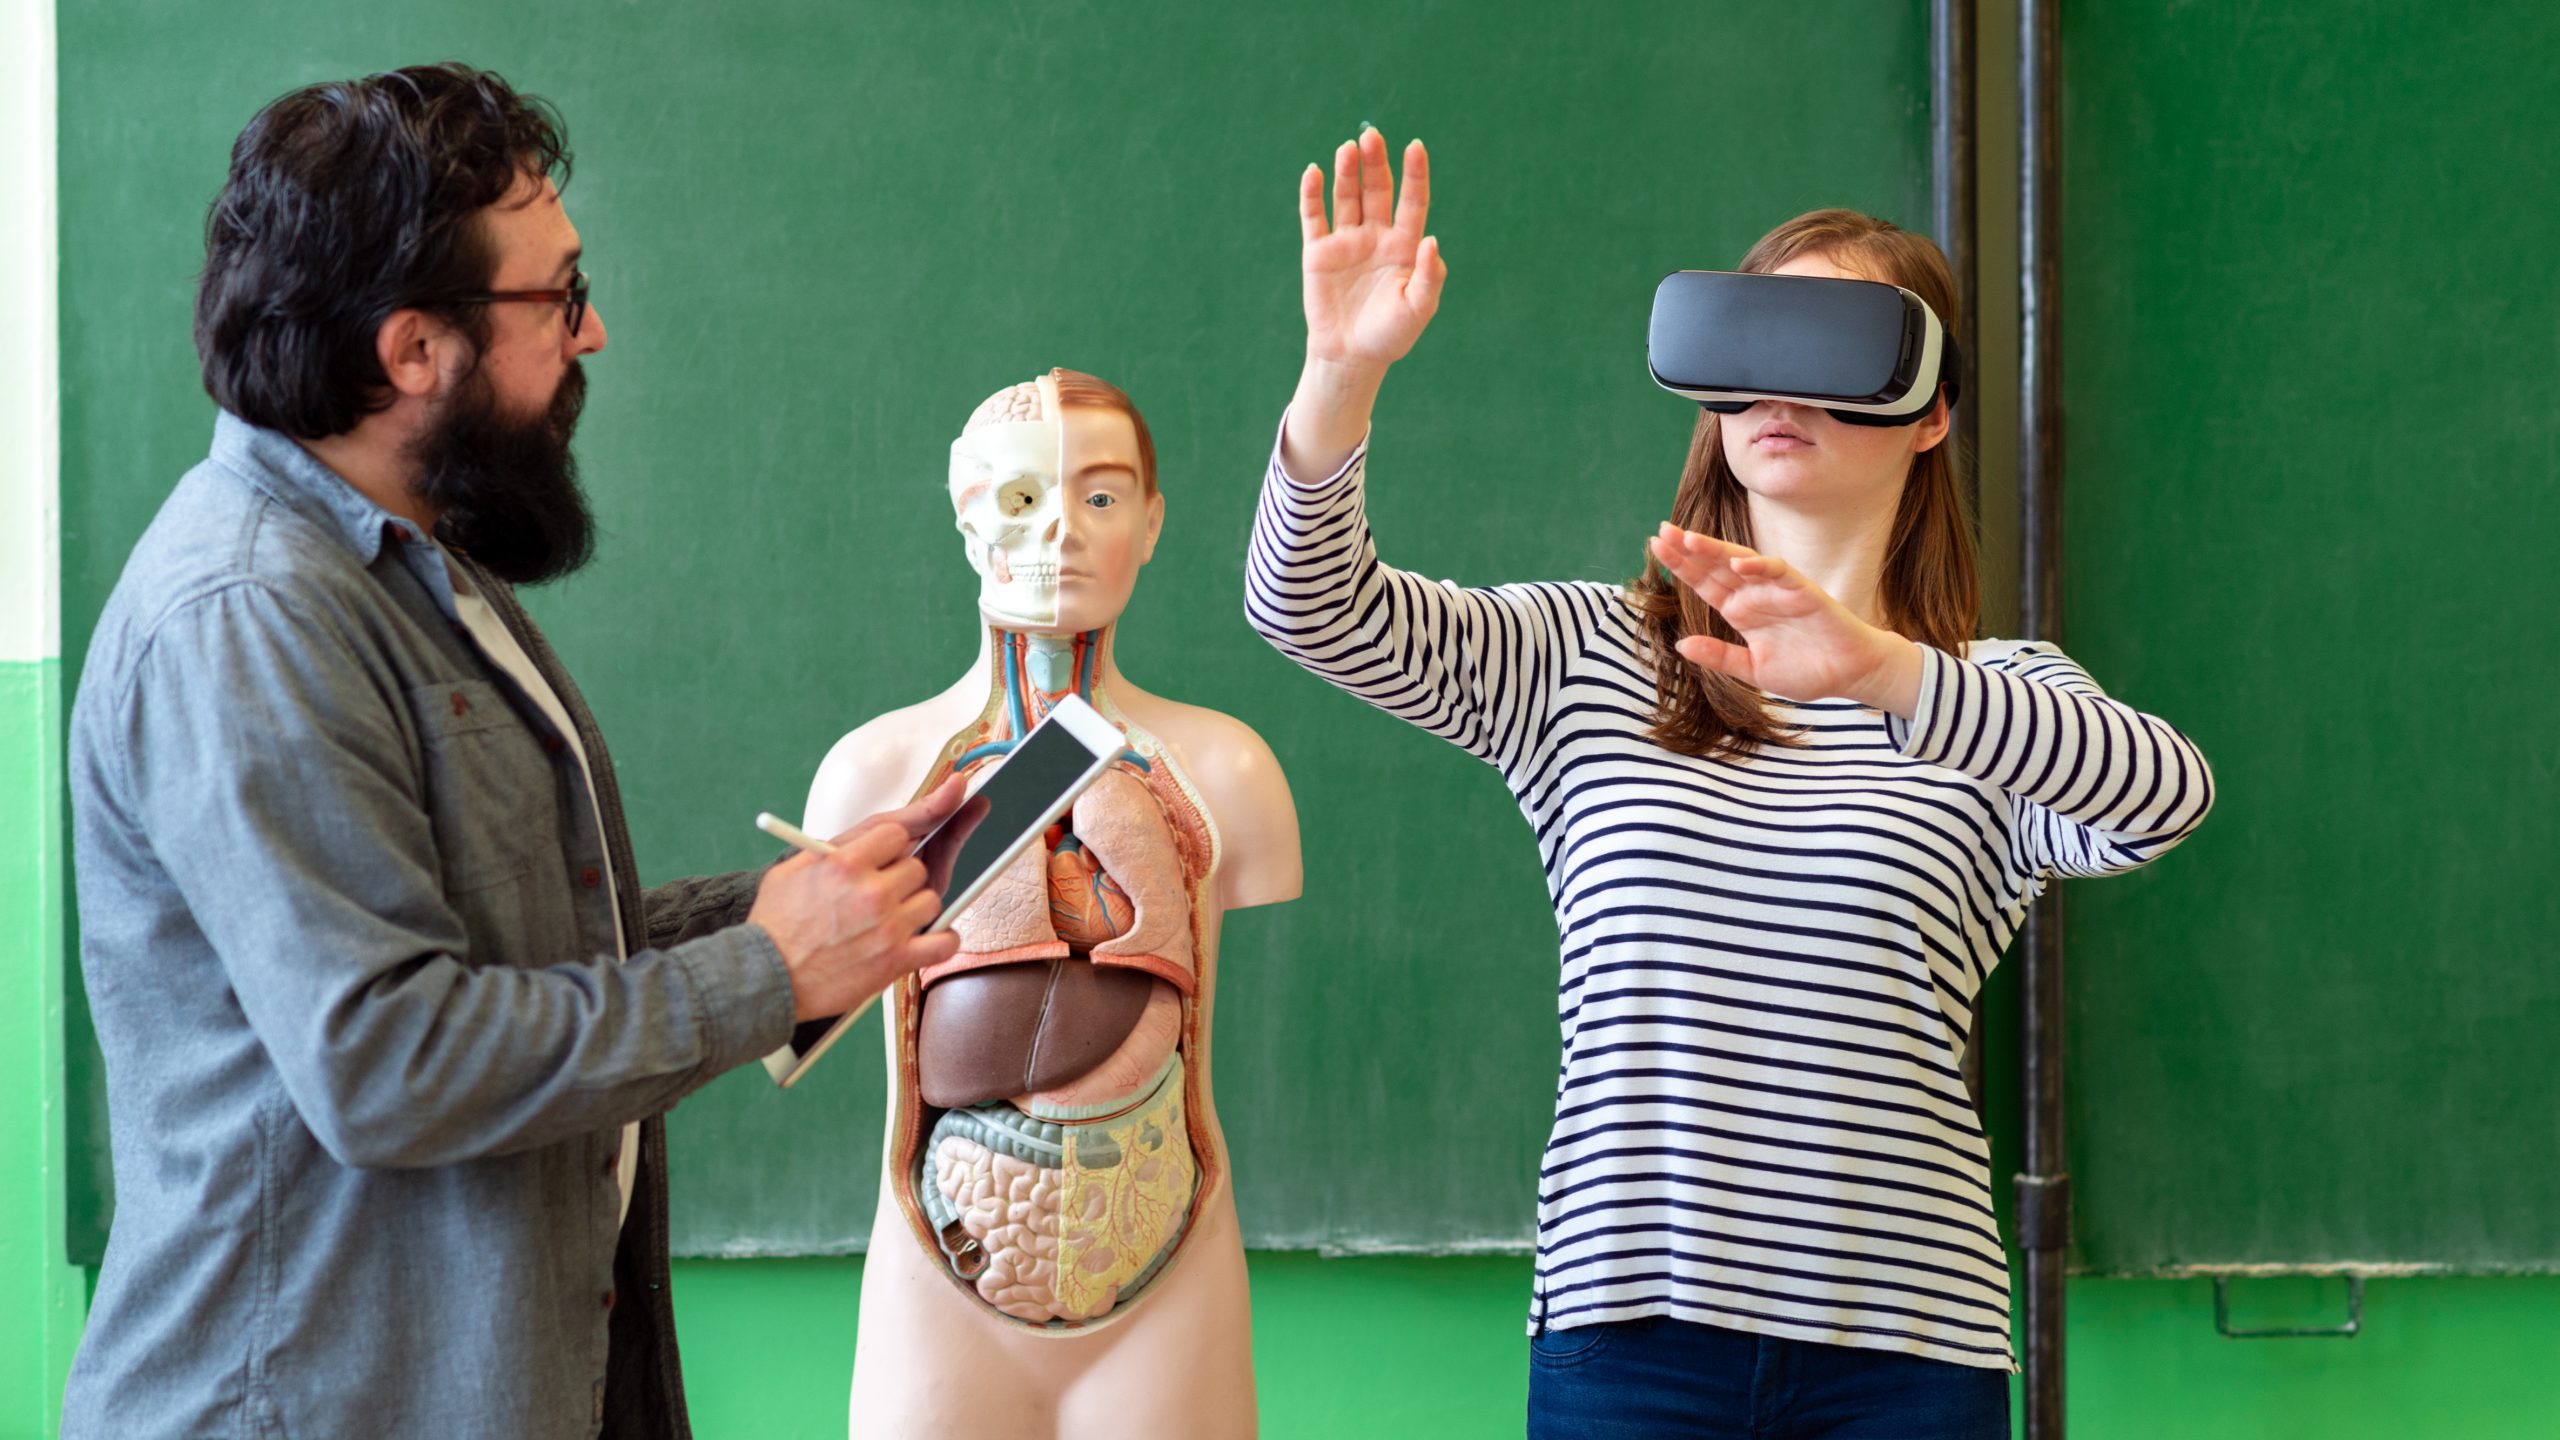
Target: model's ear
pixel 419 353
pixel 1155 527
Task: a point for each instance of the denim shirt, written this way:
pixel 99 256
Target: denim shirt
pixel 351 958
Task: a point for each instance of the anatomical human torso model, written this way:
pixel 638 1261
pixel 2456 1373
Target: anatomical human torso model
pixel 1055 1252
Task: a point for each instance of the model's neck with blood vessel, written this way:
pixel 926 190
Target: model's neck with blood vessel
pixel 1034 670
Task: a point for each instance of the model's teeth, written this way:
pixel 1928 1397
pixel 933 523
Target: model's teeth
pixel 1039 574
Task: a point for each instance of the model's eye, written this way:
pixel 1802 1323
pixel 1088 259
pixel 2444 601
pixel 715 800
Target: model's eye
pixel 1102 502
pixel 1017 497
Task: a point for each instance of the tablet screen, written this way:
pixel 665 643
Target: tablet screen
pixel 1023 788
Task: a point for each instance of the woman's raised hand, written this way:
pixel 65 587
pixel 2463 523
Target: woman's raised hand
pixel 1373 276
pixel 1796 640
pixel 1372 282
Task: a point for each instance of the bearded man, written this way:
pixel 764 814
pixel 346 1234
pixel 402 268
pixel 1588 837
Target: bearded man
pixel 388 1017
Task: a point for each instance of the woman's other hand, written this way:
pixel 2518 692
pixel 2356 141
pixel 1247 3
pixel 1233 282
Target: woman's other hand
pixel 1797 641
pixel 1372 281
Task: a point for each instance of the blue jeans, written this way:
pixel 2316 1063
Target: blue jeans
pixel 1660 1379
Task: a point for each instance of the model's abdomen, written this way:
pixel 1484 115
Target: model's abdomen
pixel 1058 1171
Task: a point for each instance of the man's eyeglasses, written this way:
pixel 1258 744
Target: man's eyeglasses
pixel 573 299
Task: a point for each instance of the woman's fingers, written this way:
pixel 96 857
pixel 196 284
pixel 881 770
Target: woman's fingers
pixel 1768 567
pixel 1717 568
pixel 1377 180
pixel 1422 288
pixel 1346 185
pixel 1709 653
pixel 1364 189
pixel 1413 211
pixel 1707 545
pixel 1702 571
pixel 1311 227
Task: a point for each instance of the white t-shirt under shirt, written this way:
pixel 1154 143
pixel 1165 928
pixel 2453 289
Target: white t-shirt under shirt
pixel 499 645
pixel 1768 965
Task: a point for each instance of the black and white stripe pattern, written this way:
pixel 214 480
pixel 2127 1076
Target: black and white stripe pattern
pixel 1769 965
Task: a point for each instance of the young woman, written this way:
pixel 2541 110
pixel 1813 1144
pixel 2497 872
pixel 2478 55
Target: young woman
pixel 1791 811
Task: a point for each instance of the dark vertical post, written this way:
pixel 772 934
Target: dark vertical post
pixel 1953 217
pixel 2044 1189
pixel 1952 175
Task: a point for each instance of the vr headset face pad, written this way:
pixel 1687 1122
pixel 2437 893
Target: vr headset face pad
pixel 1867 352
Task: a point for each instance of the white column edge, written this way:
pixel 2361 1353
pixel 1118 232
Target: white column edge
pixel 30 338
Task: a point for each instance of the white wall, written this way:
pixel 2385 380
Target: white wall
pixel 30 409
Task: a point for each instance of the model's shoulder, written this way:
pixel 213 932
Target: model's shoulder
pixel 1208 739
pixel 874 767
pixel 1240 780
pixel 891 739
pixel 1228 758
pixel 878 764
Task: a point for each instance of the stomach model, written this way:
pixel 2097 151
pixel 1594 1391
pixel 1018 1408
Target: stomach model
pixel 1049 1152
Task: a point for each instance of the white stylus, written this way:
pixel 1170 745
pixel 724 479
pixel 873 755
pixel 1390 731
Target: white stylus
pixel 790 834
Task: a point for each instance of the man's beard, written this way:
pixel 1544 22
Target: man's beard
pixel 507 486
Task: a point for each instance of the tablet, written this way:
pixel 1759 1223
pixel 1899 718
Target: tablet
pixel 1010 804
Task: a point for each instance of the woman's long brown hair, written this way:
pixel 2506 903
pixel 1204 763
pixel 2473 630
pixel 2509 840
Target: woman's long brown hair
pixel 1929 591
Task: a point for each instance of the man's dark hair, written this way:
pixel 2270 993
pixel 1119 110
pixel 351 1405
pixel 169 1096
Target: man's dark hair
pixel 348 201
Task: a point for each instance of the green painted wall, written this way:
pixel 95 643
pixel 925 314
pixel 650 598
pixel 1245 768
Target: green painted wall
pixel 42 1296
pixel 1416 1348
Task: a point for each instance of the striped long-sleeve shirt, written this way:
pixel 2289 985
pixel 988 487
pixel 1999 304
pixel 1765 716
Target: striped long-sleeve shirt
pixel 1769 964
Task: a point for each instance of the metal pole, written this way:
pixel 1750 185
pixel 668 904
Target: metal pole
pixel 1952 176
pixel 1951 204
pixel 2044 1188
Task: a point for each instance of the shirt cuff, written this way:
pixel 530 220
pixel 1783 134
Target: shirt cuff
pixel 1919 737
pixel 742 990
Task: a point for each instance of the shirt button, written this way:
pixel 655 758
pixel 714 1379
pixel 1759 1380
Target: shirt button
pixel 613 1162
pixel 461 704
pixel 554 744
pixel 591 877
pixel 608 1299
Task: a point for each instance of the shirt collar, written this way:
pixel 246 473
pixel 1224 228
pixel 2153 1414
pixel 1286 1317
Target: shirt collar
pixel 272 461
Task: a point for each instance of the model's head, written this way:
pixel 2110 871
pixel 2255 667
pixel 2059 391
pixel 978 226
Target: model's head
pixel 368 253
pixel 1800 458
pixel 1053 487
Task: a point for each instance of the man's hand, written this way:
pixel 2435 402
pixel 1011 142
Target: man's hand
pixel 846 923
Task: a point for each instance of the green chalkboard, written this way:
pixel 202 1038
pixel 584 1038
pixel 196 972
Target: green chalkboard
pixel 2311 260
pixel 821 232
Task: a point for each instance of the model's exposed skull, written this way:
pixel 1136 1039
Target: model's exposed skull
pixel 1010 501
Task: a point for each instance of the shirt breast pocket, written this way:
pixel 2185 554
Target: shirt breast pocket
pixel 492 794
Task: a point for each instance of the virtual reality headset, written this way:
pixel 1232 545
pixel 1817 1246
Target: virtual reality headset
pixel 1867 352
